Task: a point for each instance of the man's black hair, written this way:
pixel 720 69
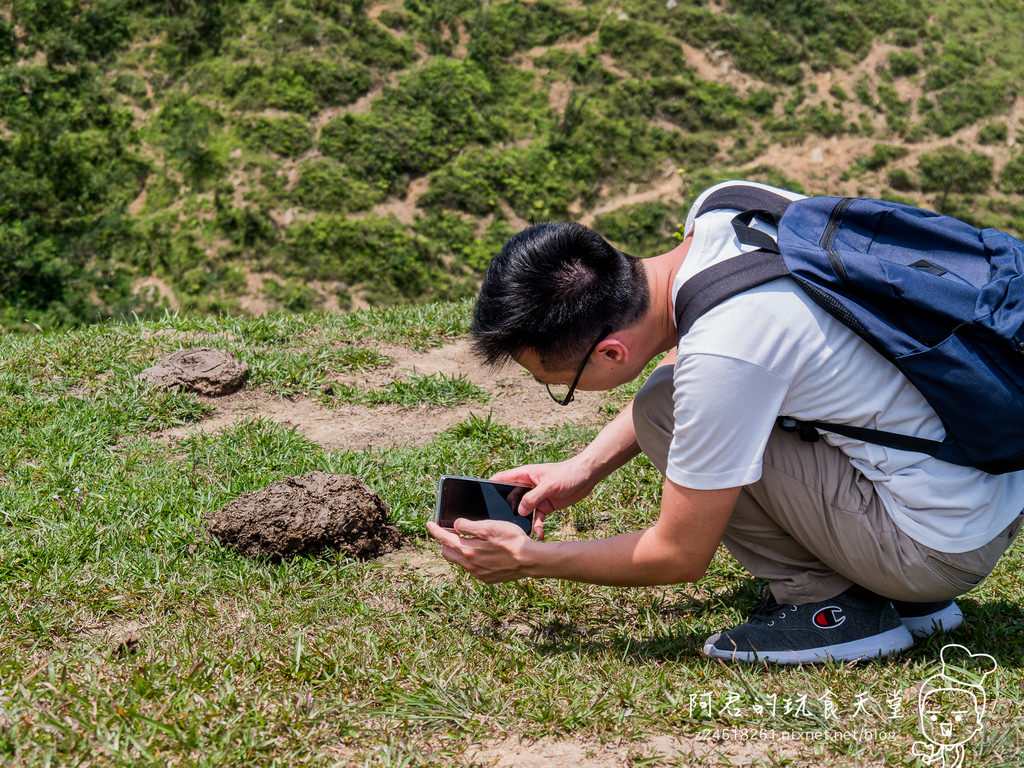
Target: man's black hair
pixel 552 289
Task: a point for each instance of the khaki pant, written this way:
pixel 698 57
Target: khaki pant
pixel 813 525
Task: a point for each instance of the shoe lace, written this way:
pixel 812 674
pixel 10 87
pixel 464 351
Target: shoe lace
pixel 770 609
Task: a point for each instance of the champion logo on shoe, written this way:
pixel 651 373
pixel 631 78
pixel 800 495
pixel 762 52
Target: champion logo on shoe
pixel 829 617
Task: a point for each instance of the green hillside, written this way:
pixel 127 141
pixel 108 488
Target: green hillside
pixel 236 156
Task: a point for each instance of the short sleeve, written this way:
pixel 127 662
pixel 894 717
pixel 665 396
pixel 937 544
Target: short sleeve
pixel 725 410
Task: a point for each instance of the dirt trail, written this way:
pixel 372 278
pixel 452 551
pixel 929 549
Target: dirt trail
pixel 516 400
pixel 668 189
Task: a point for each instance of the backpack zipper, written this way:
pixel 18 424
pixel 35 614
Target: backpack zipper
pixel 829 235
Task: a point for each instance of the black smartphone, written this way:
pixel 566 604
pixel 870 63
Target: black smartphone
pixel 475 499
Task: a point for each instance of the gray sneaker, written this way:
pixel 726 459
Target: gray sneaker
pixel 855 625
pixel 924 619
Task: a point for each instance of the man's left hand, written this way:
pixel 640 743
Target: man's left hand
pixel 493 551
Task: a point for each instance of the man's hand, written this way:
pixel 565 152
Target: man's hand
pixel 677 548
pixel 561 484
pixel 556 486
pixel 497 551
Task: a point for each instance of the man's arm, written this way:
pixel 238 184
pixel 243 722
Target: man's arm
pixel 677 548
pixel 561 484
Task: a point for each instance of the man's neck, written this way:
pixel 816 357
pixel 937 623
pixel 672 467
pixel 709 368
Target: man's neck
pixel 660 321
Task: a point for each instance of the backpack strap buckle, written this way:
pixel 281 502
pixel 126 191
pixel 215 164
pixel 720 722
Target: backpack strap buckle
pixel 807 432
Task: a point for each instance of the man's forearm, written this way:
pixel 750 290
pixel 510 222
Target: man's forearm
pixel 614 445
pixel 634 559
pixel 677 548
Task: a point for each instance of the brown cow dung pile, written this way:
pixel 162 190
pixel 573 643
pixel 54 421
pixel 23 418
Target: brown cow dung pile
pixel 206 371
pixel 307 515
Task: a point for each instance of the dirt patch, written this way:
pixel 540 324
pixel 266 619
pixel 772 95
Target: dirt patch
pixel 115 638
pixel 404 209
pixel 152 288
pixel 658 749
pixel 668 189
pixel 516 400
pixel 716 67
pixel 420 558
pixel 307 515
pixel 203 370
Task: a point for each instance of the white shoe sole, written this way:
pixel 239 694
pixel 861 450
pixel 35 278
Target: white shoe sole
pixel 946 620
pixel 884 644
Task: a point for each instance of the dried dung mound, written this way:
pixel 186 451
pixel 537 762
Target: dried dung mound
pixel 306 515
pixel 211 372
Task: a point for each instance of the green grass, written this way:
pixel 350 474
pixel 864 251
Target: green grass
pixel 435 389
pixel 128 638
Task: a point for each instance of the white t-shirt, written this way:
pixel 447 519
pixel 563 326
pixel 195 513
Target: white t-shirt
pixel 772 351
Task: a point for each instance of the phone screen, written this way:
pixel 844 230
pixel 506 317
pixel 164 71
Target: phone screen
pixel 474 499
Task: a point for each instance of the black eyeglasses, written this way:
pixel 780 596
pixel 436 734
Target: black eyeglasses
pixel 555 390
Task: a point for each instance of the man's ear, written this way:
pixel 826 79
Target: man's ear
pixel 613 349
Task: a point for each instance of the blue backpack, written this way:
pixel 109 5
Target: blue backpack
pixel 940 299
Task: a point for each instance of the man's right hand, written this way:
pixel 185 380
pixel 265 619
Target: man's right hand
pixel 557 485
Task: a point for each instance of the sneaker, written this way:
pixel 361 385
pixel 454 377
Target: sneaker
pixel 924 619
pixel 855 625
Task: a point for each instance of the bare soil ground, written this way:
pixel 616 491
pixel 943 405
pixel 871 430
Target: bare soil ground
pixel 516 400
pixel 514 752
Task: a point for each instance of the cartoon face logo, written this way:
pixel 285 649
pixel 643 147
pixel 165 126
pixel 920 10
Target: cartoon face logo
pixel 950 716
pixel 829 617
pixel 951 705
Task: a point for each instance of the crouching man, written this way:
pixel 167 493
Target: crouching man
pixel 864 547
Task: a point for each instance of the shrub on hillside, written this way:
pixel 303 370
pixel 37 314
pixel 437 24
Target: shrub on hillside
pixel 881 155
pixel 335 30
pixel 641 230
pixel 966 102
pixel 687 101
pixel 756 48
pixel 498 30
pixel 455 236
pixel 904 63
pixel 1012 176
pixel 993 133
pixel 66 33
pixel 291 295
pixel 185 127
pixel 251 230
pixel 958 62
pixel 296 83
pixel 821 120
pixel 193 28
pixel 950 169
pixel 67 173
pixel 465 184
pixel 289 136
pixel 847 24
pixel 642 49
pixel 418 125
pixel 379 254
pixel 901 180
pixel 326 185
pixel 579 68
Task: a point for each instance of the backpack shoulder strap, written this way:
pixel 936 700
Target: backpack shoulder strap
pixel 740 197
pixel 751 202
pixel 722 281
